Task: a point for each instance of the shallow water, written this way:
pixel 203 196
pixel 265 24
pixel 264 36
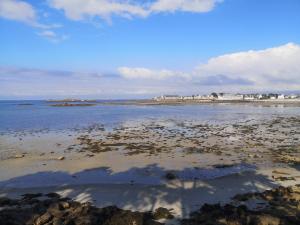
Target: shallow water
pixel 139 123
pixel 40 116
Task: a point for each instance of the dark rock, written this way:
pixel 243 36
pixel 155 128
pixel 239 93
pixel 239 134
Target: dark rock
pixel 162 213
pixel 6 201
pixel 170 176
pixel 53 195
pixel 64 205
pixel 222 166
pixel 284 208
pixel 57 221
pixel 45 218
pixel 31 196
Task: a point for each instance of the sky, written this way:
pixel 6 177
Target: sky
pixel 122 49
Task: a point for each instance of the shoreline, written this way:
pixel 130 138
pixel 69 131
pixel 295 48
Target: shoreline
pixel 141 165
pixel 199 102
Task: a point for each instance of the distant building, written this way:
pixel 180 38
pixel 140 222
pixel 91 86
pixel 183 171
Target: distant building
pixel 263 96
pixel 188 97
pixel 203 97
pixel 230 97
pixel 227 97
pixel 168 97
pixel 273 96
pixel 249 97
pixel 292 96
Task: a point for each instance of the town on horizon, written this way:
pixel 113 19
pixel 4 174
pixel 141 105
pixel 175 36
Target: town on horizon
pixel 198 97
pixel 230 97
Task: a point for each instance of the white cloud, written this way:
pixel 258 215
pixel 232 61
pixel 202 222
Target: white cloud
pixel 18 10
pixel 272 68
pixel 29 83
pixel 143 73
pixel 52 36
pixel 22 11
pixel 197 6
pixel 273 64
pixel 48 34
pixel 80 9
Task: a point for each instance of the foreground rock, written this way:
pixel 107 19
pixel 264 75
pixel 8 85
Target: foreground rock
pixel 275 207
pixel 280 206
pixel 62 211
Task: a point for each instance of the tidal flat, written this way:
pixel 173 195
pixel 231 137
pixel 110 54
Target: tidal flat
pixel 172 162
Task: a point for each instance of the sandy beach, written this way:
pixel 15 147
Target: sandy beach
pixel 148 164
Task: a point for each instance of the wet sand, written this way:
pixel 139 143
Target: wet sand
pixel 142 166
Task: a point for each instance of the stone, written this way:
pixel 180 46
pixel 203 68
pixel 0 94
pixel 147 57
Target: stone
pixel 31 196
pixel 266 220
pixel 19 156
pixel 5 201
pixel 162 213
pixel 45 218
pixel 170 176
pixel 57 221
pixel 65 205
pixel 53 195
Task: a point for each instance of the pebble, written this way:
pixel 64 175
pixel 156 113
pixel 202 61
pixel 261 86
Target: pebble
pixel 19 156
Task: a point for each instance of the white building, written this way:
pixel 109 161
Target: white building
pixel 168 97
pixel 203 97
pixel 249 97
pixel 230 97
pixel 188 97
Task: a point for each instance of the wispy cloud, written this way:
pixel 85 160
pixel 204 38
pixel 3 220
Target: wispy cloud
pixel 223 80
pixel 259 69
pixel 24 12
pixel 27 83
pixel 52 36
pixel 81 9
pixel 259 66
pixel 196 6
pixel 144 73
pixel 269 69
pixel 19 11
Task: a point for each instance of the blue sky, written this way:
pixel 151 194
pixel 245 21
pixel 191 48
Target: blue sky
pixel 122 49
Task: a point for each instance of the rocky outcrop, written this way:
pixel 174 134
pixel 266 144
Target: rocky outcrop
pixel 281 207
pixel 55 210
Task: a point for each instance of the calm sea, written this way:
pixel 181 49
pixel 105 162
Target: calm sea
pixel 36 115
